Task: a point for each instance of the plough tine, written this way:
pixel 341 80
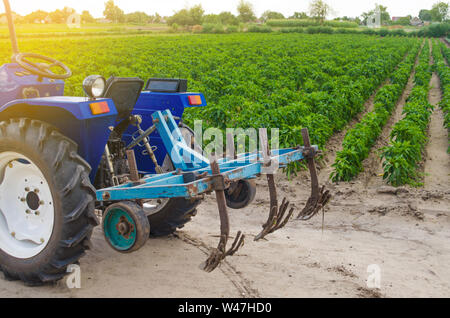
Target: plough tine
pixel 319 196
pixel 276 219
pixel 220 253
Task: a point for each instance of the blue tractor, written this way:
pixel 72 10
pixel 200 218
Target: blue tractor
pixel 122 151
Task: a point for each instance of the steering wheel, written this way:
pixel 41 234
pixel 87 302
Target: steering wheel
pixel 42 69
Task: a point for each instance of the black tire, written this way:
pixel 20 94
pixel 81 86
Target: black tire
pixel 178 211
pixel 175 214
pixel 243 195
pixel 73 195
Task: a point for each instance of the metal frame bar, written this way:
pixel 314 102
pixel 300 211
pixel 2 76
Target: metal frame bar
pixel 170 185
pixel 187 160
pixel 183 157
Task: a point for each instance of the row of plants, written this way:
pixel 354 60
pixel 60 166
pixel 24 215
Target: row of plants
pixel 424 32
pixel 440 55
pixel 215 28
pixel 409 135
pixel 308 22
pixel 367 31
pixel 359 140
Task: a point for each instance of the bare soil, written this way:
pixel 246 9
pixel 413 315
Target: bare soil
pixel 406 232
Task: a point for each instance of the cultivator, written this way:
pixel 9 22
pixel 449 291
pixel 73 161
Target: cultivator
pixel 202 176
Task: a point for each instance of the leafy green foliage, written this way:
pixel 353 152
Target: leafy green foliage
pixel 441 54
pixel 309 22
pixel 359 140
pixel 409 135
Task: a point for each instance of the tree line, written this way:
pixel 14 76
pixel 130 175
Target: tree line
pixel 318 10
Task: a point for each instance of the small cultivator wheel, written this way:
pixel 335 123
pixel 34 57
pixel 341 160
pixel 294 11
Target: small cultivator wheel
pixel 240 194
pixel 46 202
pixel 125 226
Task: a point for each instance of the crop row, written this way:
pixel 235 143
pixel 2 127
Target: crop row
pixel 307 23
pixel 444 75
pixel 409 135
pixel 359 140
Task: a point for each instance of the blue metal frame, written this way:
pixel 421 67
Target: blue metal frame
pixel 171 185
pixel 183 157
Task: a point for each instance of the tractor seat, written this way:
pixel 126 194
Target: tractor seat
pixel 124 91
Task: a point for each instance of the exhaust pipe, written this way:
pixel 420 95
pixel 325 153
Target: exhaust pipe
pixel 12 30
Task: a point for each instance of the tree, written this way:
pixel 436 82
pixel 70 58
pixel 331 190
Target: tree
pixel 86 17
pixel 319 10
pixel 246 12
pixel 180 17
pixel 57 16
pixel 184 17
pixel 36 16
pixel 227 18
pixel 425 15
pixel 268 15
pixel 439 12
pixel 137 17
pixel 61 16
pixel 113 12
pixel 299 15
pixel 196 13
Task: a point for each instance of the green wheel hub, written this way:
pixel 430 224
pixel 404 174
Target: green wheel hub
pixel 125 226
pixel 120 229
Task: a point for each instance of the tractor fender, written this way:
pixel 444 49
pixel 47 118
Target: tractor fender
pixel 73 117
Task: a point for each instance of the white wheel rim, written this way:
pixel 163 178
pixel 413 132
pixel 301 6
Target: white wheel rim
pixel 26 207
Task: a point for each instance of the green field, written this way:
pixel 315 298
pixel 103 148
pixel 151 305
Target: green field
pixel 287 81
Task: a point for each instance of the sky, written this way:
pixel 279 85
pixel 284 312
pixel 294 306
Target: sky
pixel 350 8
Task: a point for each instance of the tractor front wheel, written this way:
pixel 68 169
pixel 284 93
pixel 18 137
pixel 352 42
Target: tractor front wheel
pixel 46 202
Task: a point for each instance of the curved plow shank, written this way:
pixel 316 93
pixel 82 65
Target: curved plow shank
pixel 220 253
pixel 277 219
pixel 319 196
pixel 315 203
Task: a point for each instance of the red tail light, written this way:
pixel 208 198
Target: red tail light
pixel 195 100
pixel 99 108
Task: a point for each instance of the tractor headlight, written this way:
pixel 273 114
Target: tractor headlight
pixel 94 86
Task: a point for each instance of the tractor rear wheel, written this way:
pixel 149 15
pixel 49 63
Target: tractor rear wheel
pixel 46 202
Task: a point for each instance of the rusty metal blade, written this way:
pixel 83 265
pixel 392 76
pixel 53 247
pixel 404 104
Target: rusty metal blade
pixel 319 196
pixel 220 253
